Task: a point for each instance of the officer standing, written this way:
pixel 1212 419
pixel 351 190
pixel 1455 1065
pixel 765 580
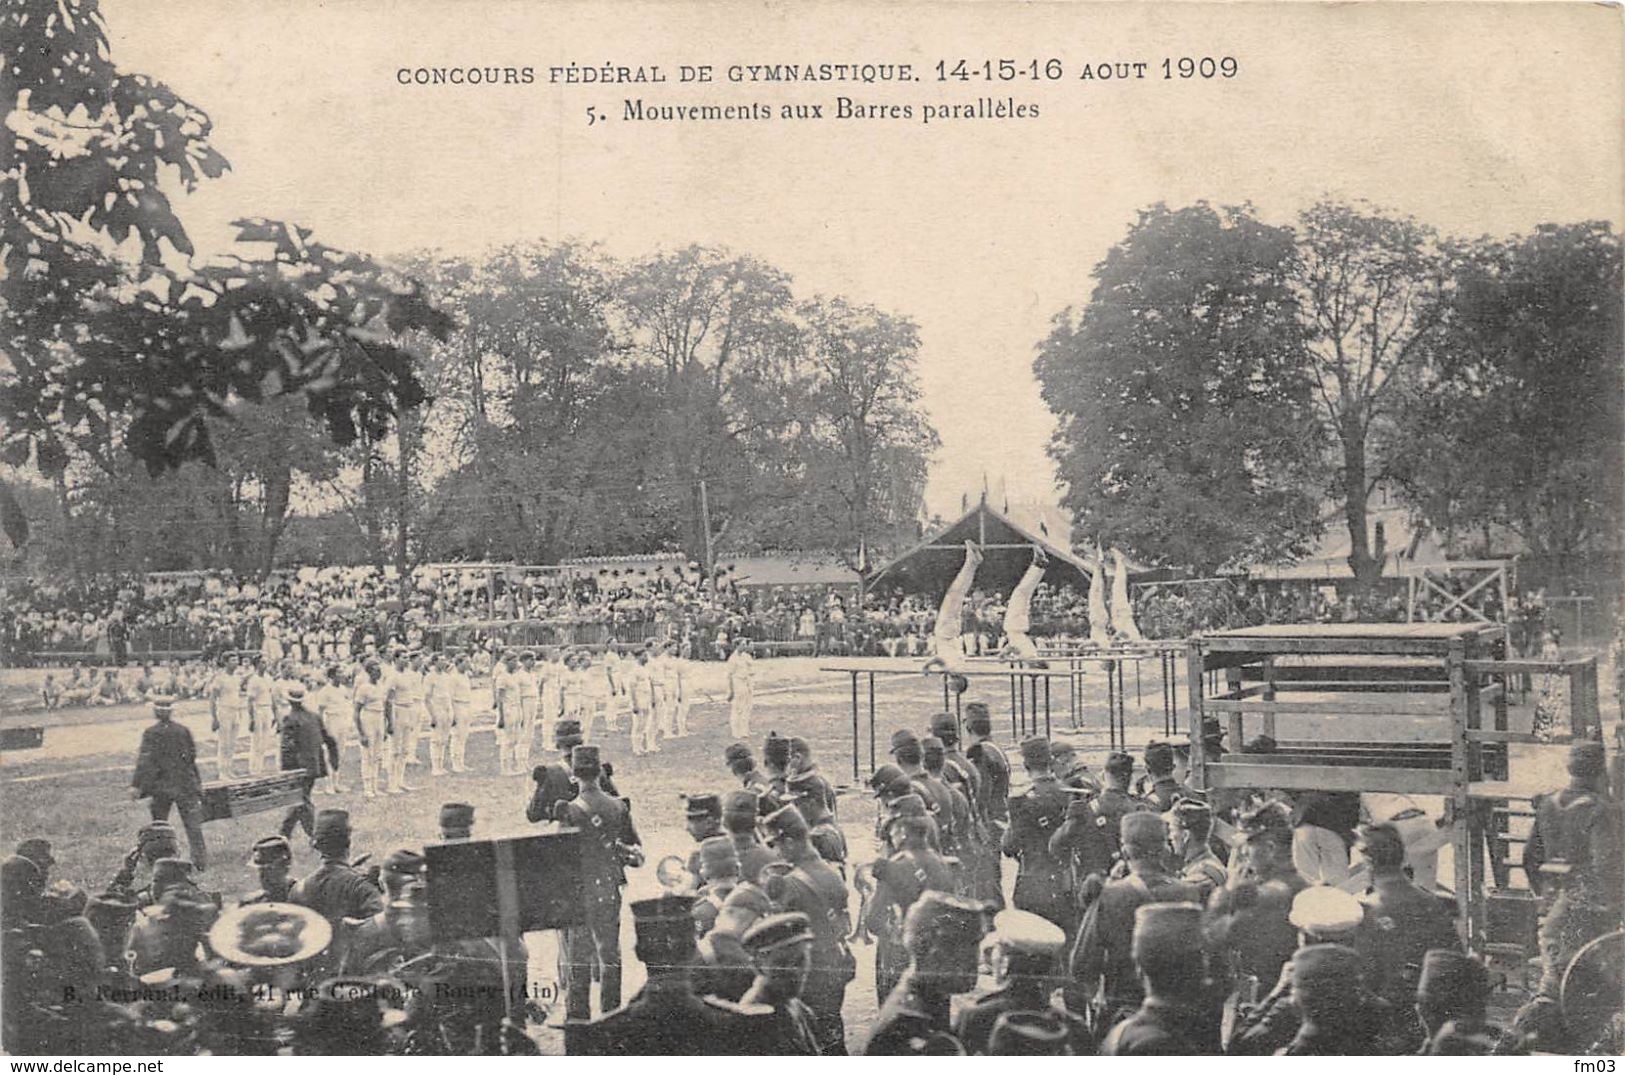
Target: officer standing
pixel 1089 839
pixel 1403 922
pixel 827 837
pixel 1250 917
pixel 1035 816
pixel 153 841
pixel 1451 999
pixel 306 745
pixel 909 754
pixel 1573 859
pixel 1177 1017
pixel 166 773
pixel 812 888
pixel 776 763
pixel 667 1018
pixel 1165 789
pixel 1190 824
pixel 992 767
pixel 1103 955
pixel 336 890
pixel 780 947
pixel 1326 988
pixel 272 859
pixel 739 813
pixel 900 880
pixel 1026 955
pixel 741 763
pixel 934 759
pixel 397 933
pixel 702 817
pixel 555 786
pixel 943 934
pixel 803 774
pixel 609 843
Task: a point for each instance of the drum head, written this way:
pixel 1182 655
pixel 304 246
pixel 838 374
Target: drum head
pixel 269 934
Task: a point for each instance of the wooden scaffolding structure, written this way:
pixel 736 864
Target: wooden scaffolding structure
pixel 1441 680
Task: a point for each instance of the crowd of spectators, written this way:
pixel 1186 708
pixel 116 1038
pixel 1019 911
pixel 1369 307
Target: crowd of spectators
pixel 141 620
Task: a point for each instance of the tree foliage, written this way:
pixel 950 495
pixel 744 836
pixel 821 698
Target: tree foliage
pixel 106 321
pixel 1185 430
pixel 1515 422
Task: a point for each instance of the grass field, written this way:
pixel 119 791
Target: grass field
pixel 75 790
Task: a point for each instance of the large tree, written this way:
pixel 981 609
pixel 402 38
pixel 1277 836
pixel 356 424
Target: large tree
pixel 111 334
pixel 1369 285
pixel 1185 429
pixel 1515 422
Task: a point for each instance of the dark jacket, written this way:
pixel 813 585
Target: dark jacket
pixel 305 742
pixel 167 763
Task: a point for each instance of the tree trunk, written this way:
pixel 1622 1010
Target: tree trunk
pixel 1367 567
pixel 60 481
pixel 273 518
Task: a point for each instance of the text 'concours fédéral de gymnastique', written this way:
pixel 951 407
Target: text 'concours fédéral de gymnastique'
pixel 943 91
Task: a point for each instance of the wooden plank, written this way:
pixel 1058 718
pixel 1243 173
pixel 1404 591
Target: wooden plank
pixel 1419 672
pixel 1527 666
pixel 1195 689
pixel 1231 773
pixel 1434 686
pixel 1330 709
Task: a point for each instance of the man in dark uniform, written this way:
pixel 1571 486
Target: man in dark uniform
pixel 1164 789
pixel 1326 989
pixel 901 879
pixel 780 946
pixel 609 843
pixel 702 816
pixel 718 874
pixel 812 888
pixel 1177 1017
pixel 1070 770
pixel 1573 858
pixel 307 745
pixel 1025 964
pixel 1402 922
pixel 980 852
pixel 909 754
pixel 166 934
pixel 554 784
pixel 739 814
pixel 667 1018
pixel 1088 840
pixel 1035 816
pixel 1190 826
pixel 1103 956
pixel 827 837
pixel 1250 917
pixel 803 772
pixel 934 759
pixel 397 933
pixel 1451 998
pixel 944 935
pixel 992 770
pixel 272 859
pixel 153 841
pixel 166 773
pixel 741 763
pixel 337 890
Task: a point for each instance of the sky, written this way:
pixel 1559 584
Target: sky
pixel 1473 118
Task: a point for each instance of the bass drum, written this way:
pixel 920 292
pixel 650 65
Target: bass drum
pixel 1593 997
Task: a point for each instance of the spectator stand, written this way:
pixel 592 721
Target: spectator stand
pixel 1407 702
